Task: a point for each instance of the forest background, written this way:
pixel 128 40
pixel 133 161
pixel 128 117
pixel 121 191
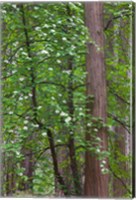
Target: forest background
pixel 66 74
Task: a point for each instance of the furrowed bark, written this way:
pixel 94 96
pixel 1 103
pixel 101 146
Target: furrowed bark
pixel 96 183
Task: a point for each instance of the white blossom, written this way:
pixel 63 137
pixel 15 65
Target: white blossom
pixel 57 111
pixel 26 122
pixel 17 152
pixel 37 28
pixel 14 6
pixel 4 11
pixel 68 119
pixel 52 31
pixel 101 165
pixel 35 125
pixel 25 128
pixel 44 34
pixel 30 95
pixel 58 61
pixel 103 161
pixel 66 71
pixel 81 114
pixel 98 139
pixel 44 134
pixel 24 53
pixel 35 16
pixel 21 79
pixel 104 170
pixel 98 150
pixel 64 39
pixel 14 71
pixel 36 8
pixel 73 47
pixel 11 131
pixel 63 114
pixel 50 69
pixel 53 98
pixel 39 107
pixel 89 124
pixel 28 58
pixel 20 98
pixel 58 54
pixel 6 61
pixel 44 52
pixel 15 92
pixel 54 25
pixel 10 113
pixel 59 22
pixel 45 26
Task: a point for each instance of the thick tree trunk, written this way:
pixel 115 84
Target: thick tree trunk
pixel 96 183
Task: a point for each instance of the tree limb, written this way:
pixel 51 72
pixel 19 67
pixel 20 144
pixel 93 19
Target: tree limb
pixel 116 176
pixel 119 121
pixel 52 83
pixel 113 18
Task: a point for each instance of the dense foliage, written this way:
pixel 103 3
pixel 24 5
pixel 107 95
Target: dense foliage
pixel 44 97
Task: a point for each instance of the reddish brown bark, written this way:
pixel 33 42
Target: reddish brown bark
pixel 96 184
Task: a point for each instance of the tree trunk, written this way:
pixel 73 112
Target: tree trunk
pixel 71 145
pixel 96 183
pixel 122 139
pixel 10 177
pixel 57 174
pixel 64 171
pixel 120 145
pixel 28 162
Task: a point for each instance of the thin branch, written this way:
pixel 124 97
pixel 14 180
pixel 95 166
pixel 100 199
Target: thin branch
pixel 115 17
pixel 82 85
pixel 47 148
pixel 119 97
pixel 116 176
pixel 52 83
pixel 119 121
